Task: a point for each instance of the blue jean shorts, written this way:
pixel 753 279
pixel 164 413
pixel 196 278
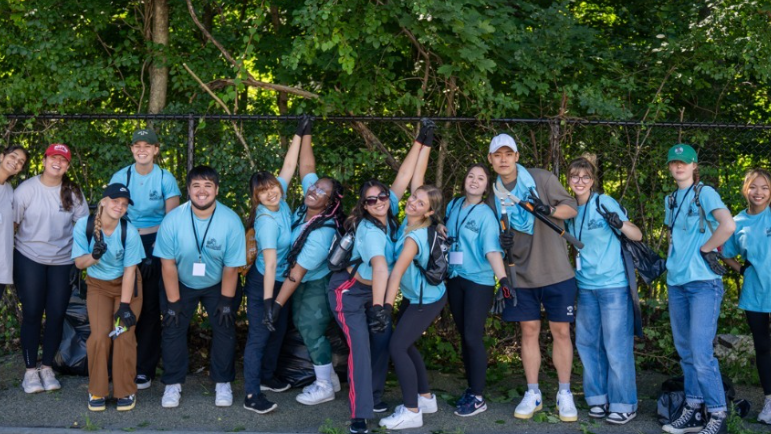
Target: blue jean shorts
pixel 558 300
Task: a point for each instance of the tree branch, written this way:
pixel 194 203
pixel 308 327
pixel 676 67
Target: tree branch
pixel 373 142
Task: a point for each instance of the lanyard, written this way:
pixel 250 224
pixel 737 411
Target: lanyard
pixel 459 222
pixel 583 219
pixel 679 207
pixel 200 245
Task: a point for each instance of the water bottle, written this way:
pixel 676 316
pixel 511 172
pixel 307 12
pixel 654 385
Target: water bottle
pixel 342 251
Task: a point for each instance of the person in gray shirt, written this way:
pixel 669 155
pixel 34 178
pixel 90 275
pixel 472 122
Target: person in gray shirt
pixel 12 160
pixel 45 209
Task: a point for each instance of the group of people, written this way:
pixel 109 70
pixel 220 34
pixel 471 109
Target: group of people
pixel 149 258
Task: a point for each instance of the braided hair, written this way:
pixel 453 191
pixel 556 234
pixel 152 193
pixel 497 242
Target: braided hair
pixel 359 213
pixel 333 211
pixel 98 222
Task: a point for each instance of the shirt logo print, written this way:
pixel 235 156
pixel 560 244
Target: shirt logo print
pixel 119 256
pixel 155 195
pixel 595 224
pixel 570 310
pixel 768 232
pixel 211 244
pixel 472 226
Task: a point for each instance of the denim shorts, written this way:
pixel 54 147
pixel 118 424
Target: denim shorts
pixel 558 300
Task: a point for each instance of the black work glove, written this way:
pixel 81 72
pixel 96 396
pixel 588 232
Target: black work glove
pixel 540 207
pixel 506 289
pixel 272 311
pixel 225 311
pixel 172 314
pixel 302 125
pixel 146 268
pixel 613 219
pixel 126 316
pixel 506 239
pixel 713 261
pixel 100 248
pixel 309 126
pixel 377 319
pixel 745 266
pixel 426 134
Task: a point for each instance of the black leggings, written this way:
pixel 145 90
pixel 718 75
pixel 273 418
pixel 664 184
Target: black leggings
pixel 148 328
pixel 408 363
pixel 470 304
pixel 759 322
pixel 41 288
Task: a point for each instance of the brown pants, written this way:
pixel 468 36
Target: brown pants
pixel 102 302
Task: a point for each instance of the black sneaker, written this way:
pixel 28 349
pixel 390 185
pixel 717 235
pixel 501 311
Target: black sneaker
pixel 618 418
pixel 598 411
pixel 358 426
pixel 259 403
pixel 274 385
pixel 380 407
pixel 471 407
pixel 143 382
pixel 717 424
pixel 465 398
pixel 96 403
pixel 127 403
pixel 690 420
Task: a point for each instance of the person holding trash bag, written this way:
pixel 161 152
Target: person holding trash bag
pixel 475 262
pixel 544 276
pixel 357 292
pixel 604 317
pixel 201 245
pixel 110 248
pixel 750 240
pixel 155 193
pixel 272 221
pixel 698 223
pixel 46 208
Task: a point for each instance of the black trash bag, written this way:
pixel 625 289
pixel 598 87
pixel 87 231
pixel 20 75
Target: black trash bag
pixel 294 362
pixel 71 359
pixel 672 400
pixel 649 265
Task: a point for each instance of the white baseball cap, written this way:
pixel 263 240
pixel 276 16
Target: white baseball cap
pixel 500 141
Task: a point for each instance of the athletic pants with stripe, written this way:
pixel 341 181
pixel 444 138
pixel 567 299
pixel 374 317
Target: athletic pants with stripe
pixel 368 357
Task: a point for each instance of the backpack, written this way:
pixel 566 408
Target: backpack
pixel 438 263
pixel 340 252
pixel 703 223
pixel 90 230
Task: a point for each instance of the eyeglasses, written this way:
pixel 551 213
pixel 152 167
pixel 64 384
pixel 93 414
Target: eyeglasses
pixel 584 179
pixel 318 190
pixel 372 200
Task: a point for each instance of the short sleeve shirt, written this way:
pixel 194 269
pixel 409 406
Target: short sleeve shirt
pixel 273 230
pixel 220 238
pixel 602 265
pixel 413 279
pixel 371 241
pixel 149 193
pixel 6 234
pixel 45 227
pixel 313 256
pixel 752 240
pixel 684 262
pixel 474 231
pixel 116 258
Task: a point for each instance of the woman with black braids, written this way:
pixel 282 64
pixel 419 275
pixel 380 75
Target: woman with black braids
pixel 314 225
pixel 357 294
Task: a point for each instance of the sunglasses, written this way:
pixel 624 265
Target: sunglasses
pixel 318 190
pixel 372 200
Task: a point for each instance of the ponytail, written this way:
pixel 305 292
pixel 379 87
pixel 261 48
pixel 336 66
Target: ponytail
pixel 70 193
pixel 98 222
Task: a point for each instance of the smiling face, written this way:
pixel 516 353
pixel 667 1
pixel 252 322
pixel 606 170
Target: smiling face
pixel 581 182
pixel 504 161
pixel 202 193
pixel 476 182
pixel 270 197
pixel 681 171
pixel 758 193
pixel 13 162
pixel 378 209
pixel 55 166
pixel 115 208
pixel 143 152
pixel 418 205
pixel 318 194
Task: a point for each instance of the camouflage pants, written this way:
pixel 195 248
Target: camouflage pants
pixel 311 315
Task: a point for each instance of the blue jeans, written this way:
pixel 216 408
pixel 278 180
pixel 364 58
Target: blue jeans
pixel 694 309
pixel 605 343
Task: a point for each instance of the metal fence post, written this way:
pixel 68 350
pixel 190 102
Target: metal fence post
pixel 190 141
pixel 554 144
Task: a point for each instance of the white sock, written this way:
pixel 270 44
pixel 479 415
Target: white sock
pixel 323 372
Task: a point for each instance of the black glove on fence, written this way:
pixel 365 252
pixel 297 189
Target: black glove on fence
pixel 713 261
pixel 172 314
pixel 302 125
pixel 100 248
pixel 426 134
pixel 225 311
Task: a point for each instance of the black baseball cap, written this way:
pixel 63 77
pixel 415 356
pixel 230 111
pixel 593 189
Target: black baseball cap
pixel 117 190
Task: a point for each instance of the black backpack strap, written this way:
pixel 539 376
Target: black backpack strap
pixel 123 231
pixel 128 177
pixel 90 229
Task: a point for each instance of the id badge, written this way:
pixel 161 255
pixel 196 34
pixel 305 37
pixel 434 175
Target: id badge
pixel 199 269
pixel 578 262
pixel 456 258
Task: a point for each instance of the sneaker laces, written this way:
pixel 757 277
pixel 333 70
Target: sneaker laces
pixel 713 426
pixel 47 374
pixel 685 416
pixel 465 398
pixel 172 389
pixel 223 388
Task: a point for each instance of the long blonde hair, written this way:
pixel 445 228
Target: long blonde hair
pixel 435 201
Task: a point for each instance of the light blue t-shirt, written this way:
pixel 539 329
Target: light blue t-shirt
pixel 273 230
pixel 752 240
pixel 313 256
pixel 684 262
pixel 475 231
pixel 149 193
pixel 222 246
pixel 115 259
pixel 413 278
pixel 602 265
pixel 371 241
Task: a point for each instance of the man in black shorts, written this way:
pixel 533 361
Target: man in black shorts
pixel 544 273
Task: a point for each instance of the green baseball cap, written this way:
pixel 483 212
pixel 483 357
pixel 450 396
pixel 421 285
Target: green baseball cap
pixel 682 152
pixel 145 135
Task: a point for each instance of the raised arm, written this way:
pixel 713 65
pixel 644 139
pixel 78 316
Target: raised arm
pixel 290 160
pixel 418 178
pixel 407 169
pixel 307 159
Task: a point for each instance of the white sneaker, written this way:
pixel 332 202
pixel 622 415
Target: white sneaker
pixel 765 414
pixel 427 405
pixel 335 383
pixel 530 403
pixel 316 393
pixel 31 383
pixel 224 395
pixel 171 396
pixel 402 419
pixel 49 379
pixel 566 408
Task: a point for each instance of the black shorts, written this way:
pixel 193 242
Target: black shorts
pixel 558 300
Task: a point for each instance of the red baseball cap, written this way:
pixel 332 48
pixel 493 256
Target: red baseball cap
pixel 59 149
